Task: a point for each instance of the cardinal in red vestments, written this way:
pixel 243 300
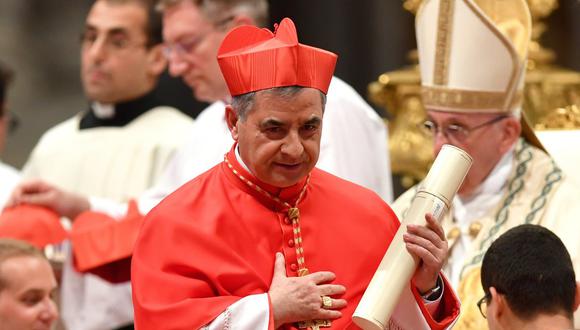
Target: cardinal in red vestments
pixel 265 240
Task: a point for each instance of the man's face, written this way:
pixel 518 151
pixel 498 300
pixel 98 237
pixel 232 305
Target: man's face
pixel 116 64
pixel 26 300
pixel 194 42
pixel 279 140
pixel 482 144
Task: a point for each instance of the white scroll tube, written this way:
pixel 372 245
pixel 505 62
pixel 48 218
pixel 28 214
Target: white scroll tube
pixel 434 196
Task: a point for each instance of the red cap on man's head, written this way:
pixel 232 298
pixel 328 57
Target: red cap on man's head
pixel 36 225
pixel 252 59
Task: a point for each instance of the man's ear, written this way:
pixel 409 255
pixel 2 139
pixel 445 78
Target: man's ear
pixel 499 302
pixel 232 121
pixel 510 133
pixel 156 62
pixel 577 300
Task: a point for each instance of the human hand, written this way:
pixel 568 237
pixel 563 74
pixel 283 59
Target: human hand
pixel 429 244
pixel 38 192
pixel 296 299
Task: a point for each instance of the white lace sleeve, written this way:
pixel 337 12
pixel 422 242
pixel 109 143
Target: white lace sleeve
pixel 249 313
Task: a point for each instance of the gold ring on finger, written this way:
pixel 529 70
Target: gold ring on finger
pixel 326 302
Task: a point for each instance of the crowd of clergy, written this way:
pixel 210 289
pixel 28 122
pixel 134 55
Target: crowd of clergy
pixel 273 208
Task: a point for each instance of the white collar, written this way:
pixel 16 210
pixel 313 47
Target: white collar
pixel 488 194
pixel 102 110
pixel 239 158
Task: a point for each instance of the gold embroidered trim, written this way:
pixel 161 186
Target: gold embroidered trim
pixel 443 46
pixel 459 100
pixel 518 66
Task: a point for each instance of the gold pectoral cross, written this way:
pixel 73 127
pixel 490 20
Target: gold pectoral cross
pixel 314 324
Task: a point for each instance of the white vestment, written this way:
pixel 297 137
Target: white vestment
pixel 109 162
pixel 9 178
pixel 526 186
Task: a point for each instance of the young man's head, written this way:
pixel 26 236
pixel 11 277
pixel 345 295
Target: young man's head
pixel 193 31
pixel 473 95
pixel 527 276
pixel 5 79
pixel 27 287
pixel 121 53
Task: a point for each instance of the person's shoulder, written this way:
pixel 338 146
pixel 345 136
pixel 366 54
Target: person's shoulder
pixel 62 130
pixel 163 116
pixel 341 91
pixel 338 87
pixel 8 173
pixel 343 101
pixel 194 190
pixel 352 198
pixel 214 112
pixel 403 202
pixel 339 188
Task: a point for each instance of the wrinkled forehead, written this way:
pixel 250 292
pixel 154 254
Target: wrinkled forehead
pixel 458 117
pixel 307 96
pixel 183 20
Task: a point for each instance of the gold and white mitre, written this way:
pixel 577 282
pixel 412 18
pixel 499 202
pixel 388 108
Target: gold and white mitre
pixel 472 56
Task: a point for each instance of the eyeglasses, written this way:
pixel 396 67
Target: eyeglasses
pixel 454 132
pixel 482 305
pixel 182 48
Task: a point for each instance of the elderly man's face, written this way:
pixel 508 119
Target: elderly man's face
pixel 279 140
pixel 116 64
pixel 485 144
pixel 192 43
pixel 26 299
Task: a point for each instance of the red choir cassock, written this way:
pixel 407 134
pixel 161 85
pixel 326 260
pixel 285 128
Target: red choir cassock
pixel 214 241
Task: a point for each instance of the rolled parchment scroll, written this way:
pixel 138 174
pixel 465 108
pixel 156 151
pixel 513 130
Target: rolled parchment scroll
pixel 434 196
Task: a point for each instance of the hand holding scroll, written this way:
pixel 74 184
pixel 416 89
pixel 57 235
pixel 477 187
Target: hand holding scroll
pixel 429 244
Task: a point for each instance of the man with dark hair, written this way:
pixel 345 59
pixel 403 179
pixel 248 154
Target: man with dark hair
pixel 9 177
pixel 118 147
pixel 529 281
